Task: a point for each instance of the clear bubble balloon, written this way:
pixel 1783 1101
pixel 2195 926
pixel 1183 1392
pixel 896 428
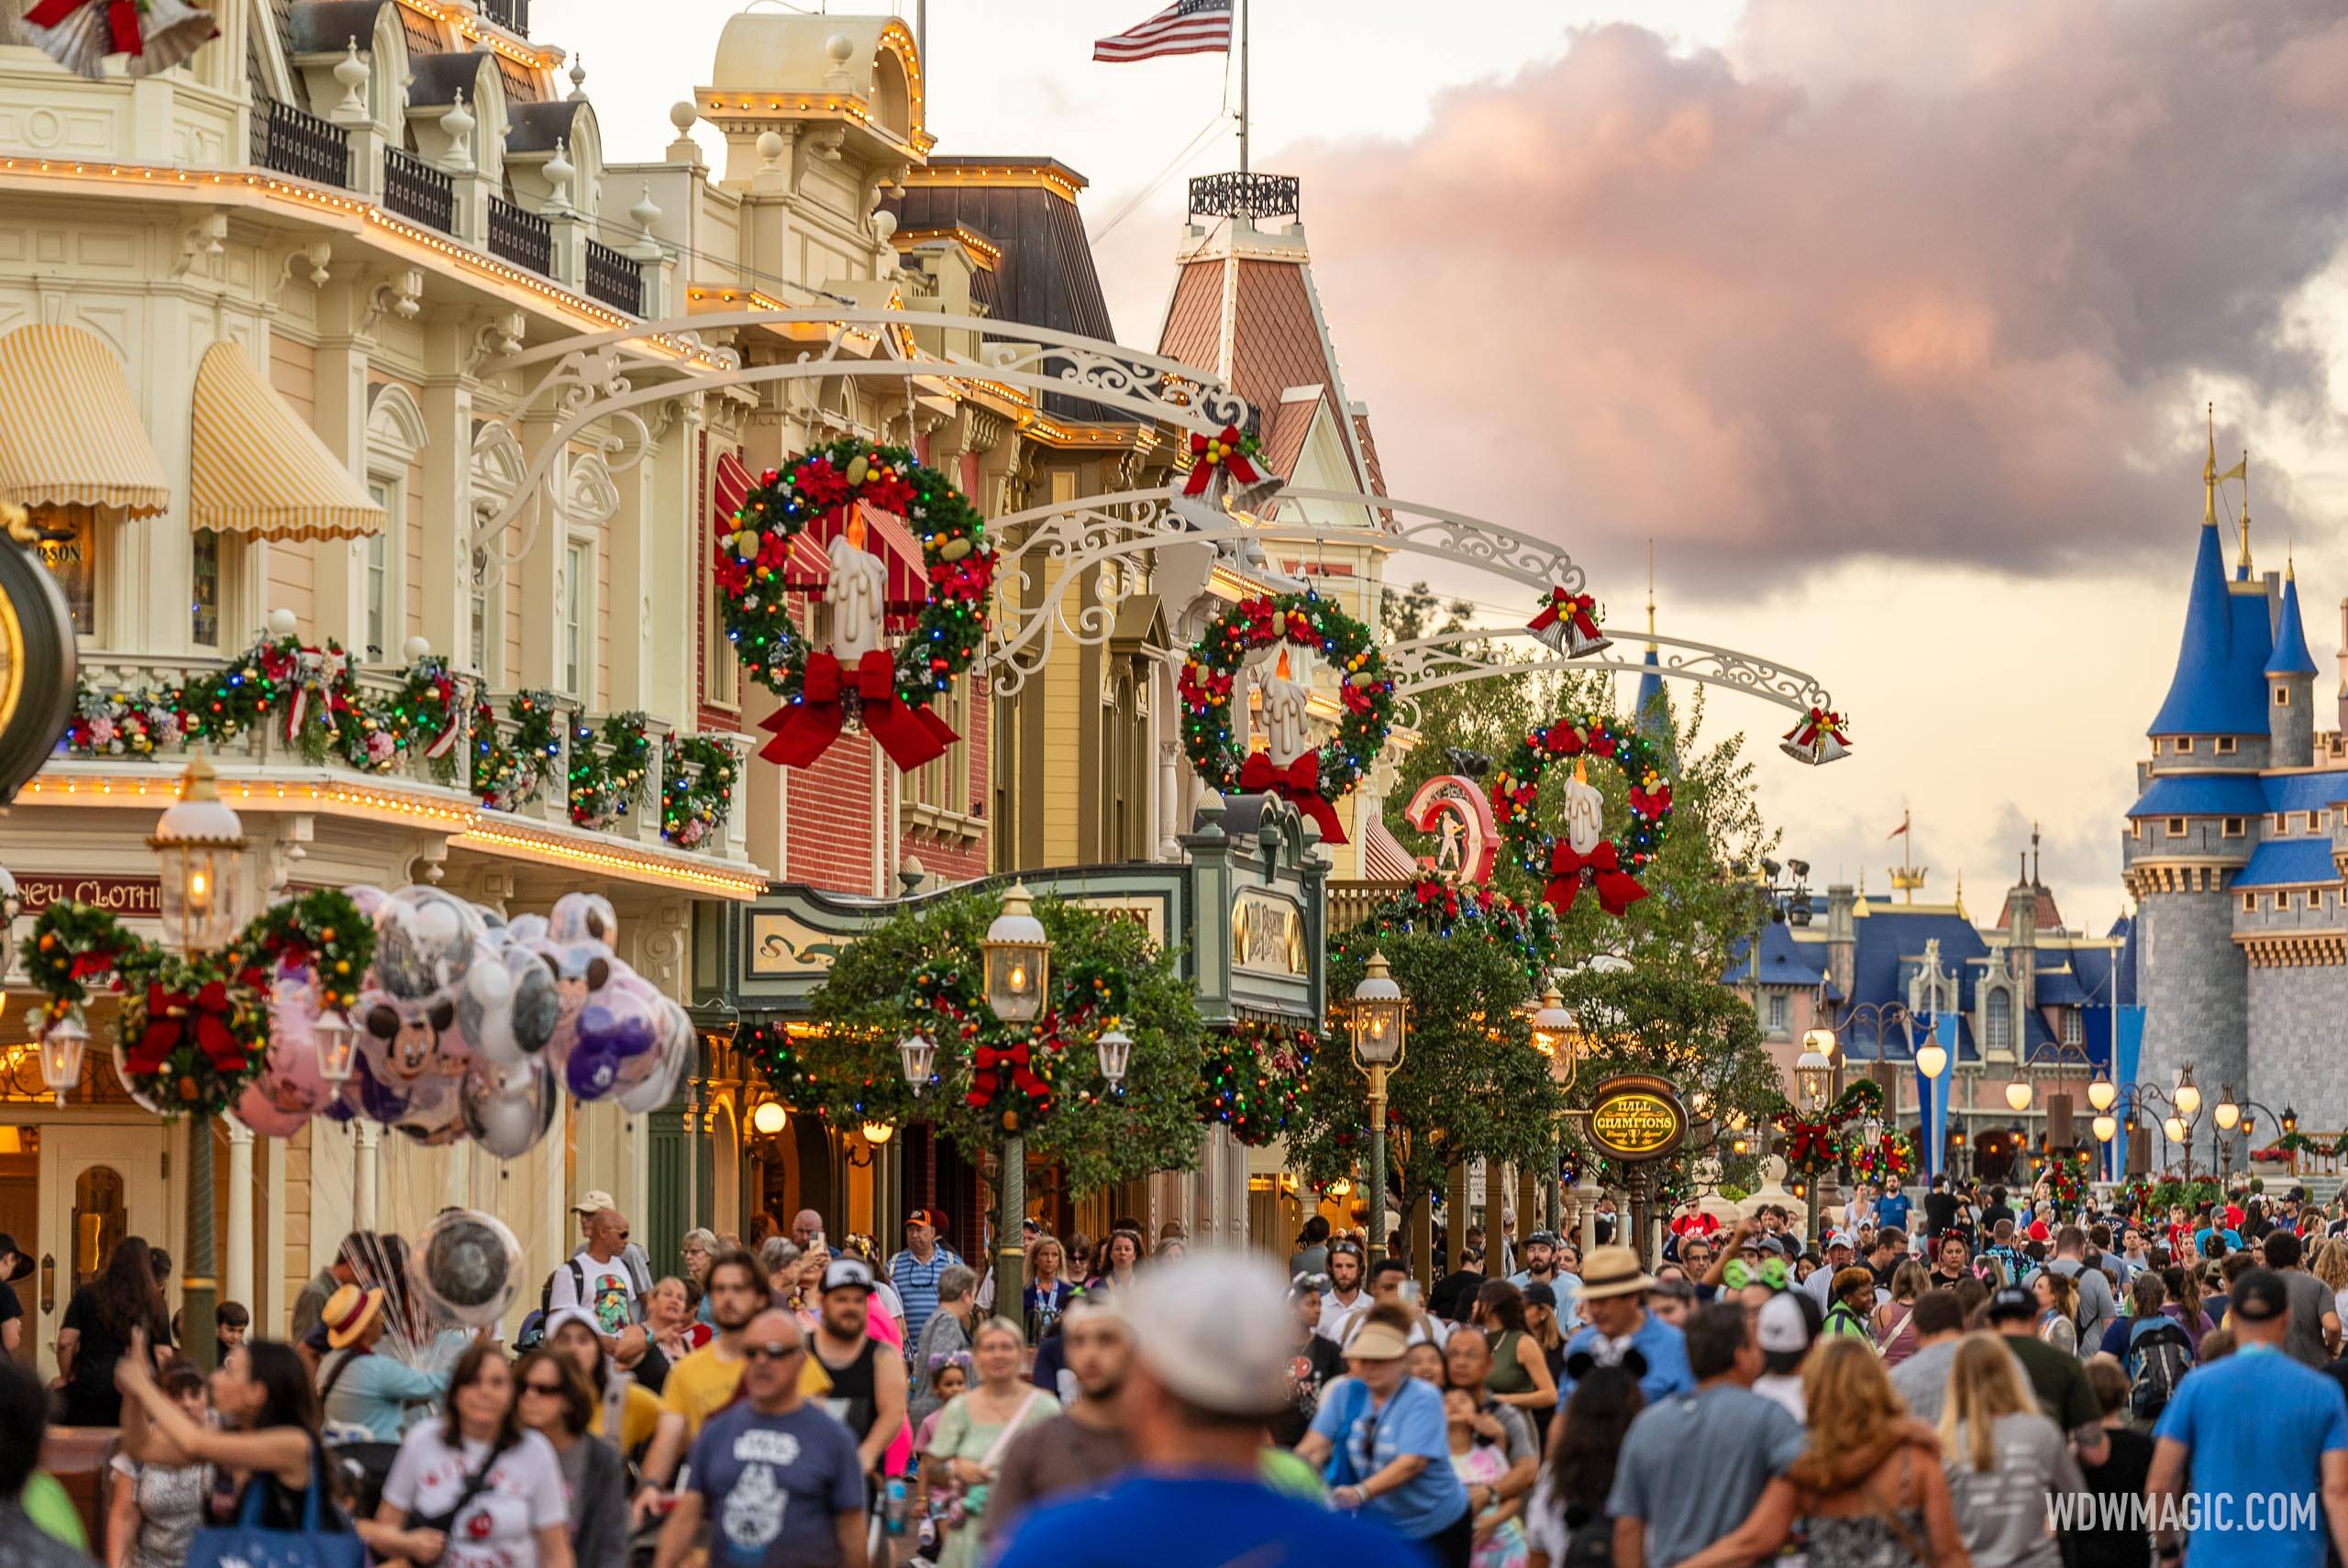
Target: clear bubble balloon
pixel 650 1081
pixel 508 1109
pixel 581 918
pixel 288 1091
pixel 425 941
pixel 465 1266
pixel 620 1021
pixel 435 1111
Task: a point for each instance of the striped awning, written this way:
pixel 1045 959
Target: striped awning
pixel 1383 856
pixel 256 468
pixel 69 433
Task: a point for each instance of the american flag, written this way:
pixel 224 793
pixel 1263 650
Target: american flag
pixel 1187 27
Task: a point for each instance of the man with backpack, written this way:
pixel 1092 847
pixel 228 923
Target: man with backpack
pixel 595 1278
pixel 2159 1352
pixel 2097 1307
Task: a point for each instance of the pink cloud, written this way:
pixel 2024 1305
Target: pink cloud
pixel 1940 286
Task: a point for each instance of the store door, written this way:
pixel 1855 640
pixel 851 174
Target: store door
pixel 98 1183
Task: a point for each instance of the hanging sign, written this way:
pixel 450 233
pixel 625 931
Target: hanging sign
pixel 1638 1116
pixel 125 896
pixel 1454 812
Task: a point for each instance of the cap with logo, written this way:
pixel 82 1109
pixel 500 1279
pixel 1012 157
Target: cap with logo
pixel 2010 1301
pixel 847 1274
pixel 593 1202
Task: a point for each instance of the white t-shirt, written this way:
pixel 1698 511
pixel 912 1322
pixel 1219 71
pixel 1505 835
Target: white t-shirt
pixel 609 1292
pixel 1337 1318
pixel 498 1529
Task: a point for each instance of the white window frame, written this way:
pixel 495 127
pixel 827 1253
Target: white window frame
pixel 389 490
pixel 2074 1029
pixel 1780 1012
pixel 221 587
pixel 1993 1039
pixel 575 618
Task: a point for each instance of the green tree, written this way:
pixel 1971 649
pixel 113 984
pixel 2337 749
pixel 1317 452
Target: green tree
pixel 1096 1136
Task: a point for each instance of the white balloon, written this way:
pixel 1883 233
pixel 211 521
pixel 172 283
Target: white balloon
pixel 508 1109
pixel 467 1265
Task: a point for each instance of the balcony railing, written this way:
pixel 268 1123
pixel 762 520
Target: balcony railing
pixel 1248 196
pixel 520 235
pixel 614 278
pixel 413 188
pixel 513 15
pixel 294 141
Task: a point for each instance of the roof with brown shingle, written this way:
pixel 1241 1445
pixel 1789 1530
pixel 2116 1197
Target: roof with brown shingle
pixel 1046 276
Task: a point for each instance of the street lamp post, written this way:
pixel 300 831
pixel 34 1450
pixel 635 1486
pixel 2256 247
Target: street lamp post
pixel 1018 962
pixel 1554 1036
pixel 1811 1072
pixel 1380 1023
pixel 201 844
pixel 2178 1111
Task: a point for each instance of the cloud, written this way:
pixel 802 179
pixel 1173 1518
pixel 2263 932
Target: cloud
pixel 1906 281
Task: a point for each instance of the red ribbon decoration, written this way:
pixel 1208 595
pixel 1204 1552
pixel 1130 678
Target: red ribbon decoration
pixel 122 20
pixel 1299 783
pixel 1235 461
pixel 1602 867
pixel 1821 721
pixel 804 730
pixel 169 1015
pixel 989 1063
pixel 94 962
pixel 1574 607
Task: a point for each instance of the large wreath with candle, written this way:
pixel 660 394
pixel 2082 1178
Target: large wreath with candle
pixel 1584 855
pixel 1211 675
pixel 822 693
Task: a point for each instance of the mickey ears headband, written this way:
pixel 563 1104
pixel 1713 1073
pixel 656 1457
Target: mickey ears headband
pixel 1771 1272
pixel 1581 1364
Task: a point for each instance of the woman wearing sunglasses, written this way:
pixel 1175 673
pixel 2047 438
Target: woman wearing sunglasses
pixel 490 1490
pixel 557 1402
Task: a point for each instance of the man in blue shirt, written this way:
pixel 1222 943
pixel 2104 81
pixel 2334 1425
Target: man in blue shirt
pixel 362 1391
pixel 914 1273
pixel 1613 1304
pixel 1891 1209
pixel 1212 1358
pixel 2260 1442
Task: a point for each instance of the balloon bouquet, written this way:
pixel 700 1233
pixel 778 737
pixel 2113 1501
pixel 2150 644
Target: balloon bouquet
pixel 467 1022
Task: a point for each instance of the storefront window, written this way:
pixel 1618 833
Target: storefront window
pixel 204 604
pixel 69 548
pixel 100 1220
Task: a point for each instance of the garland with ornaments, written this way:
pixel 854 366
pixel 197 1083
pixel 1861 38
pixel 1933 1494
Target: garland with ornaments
pixel 1583 856
pixel 310 696
pixel 696 789
pixel 1434 904
pixel 1210 678
pixel 1251 1077
pixel 1813 1144
pixel 508 775
pixel 1891 1156
pixel 889 695
pixel 194 1027
pixel 2068 1172
pixel 1015 1067
pixel 608 771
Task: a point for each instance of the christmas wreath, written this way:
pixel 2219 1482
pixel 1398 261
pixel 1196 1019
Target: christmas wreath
pixel 889 695
pixel 508 777
pixel 696 789
pixel 194 1028
pixel 1438 905
pixel 1014 1067
pixel 793 1078
pixel 1814 1143
pixel 1891 1157
pixel 1251 1077
pixel 608 778
pixel 2068 1172
pixel 1210 677
pixel 1607 866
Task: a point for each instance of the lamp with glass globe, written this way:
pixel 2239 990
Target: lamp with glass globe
pixel 2107 1127
pixel 1116 1051
pixel 2103 1094
pixel 61 1047
pixel 2187 1097
pixel 1018 962
pixel 1380 1025
pixel 2018 1094
pixel 2227 1112
pixel 917 1054
pixel 1932 1058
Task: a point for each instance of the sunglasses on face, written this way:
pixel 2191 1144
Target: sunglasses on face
pixel 547 1388
pixel 774 1353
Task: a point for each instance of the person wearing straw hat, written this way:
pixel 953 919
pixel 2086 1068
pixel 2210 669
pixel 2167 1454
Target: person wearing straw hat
pixel 1618 1326
pixel 360 1388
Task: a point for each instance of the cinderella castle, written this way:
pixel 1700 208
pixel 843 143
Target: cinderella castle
pixel 2234 845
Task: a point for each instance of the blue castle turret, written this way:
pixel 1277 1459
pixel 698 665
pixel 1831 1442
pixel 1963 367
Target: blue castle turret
pixel 2241 932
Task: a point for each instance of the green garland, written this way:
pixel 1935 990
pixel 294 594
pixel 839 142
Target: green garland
pixel 1516 795
pixel 769 1048
pixel 323 929
pixel 507 778
pixel 607 780
pixel 311 692
pixel 2067 1173
pixel 1210 679
pixel 1251 1079
pixel 754 544
pixel 1438 905
pixel 696 789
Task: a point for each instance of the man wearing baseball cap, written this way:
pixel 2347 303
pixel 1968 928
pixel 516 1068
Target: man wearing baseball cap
pixel 594 1278
pixel 1819 1285
pixel 2253 1436
pixel 1211 1367
pixel 914 1272
pixel 2056 1377
pixel 867 1394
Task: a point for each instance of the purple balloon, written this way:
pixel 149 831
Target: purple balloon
pixel 618 1025
pixel 590 1073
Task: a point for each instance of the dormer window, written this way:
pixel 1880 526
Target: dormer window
pixel 2233 827
pixel 2224 745
pixel 2183 744
pixel 2249 903
pixel 2074 1030
pixel 2176 827
pixel 2282 696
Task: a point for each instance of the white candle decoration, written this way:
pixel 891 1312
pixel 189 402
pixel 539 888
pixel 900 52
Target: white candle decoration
pixel 1585 812
pixel 1287 731
pixel 857 594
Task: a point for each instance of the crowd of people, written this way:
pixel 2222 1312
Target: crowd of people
pixel 1949 1380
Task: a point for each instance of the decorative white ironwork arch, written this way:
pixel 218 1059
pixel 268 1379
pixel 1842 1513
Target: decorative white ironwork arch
pixel 1429 664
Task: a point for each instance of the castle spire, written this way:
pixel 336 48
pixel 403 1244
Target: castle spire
pixel 2292 656
pixel 2242 566
pixel 2202 699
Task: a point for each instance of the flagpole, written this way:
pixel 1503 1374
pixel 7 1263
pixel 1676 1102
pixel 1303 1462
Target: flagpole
pixel 1245 17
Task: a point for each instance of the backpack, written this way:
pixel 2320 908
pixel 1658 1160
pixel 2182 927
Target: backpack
pixel 578 1287
pixel 2159 1356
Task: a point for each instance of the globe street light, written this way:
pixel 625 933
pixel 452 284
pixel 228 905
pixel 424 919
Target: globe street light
pixel 1932 1059
pixel 2102 1094
pixel 2187 1097
pixel 1379 1022
pixel 2018 1094
pixel 2107 1126
pixel 2227 1111
pixel 1018 964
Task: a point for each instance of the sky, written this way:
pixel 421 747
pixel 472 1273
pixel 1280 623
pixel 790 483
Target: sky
pixel 1891 326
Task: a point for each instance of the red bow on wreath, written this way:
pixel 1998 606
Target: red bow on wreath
pixel 169 1014
pixel 806 729
pixel 95 962
pixel 1299 783
pixel 991 1062
pixel 1617 889
pixel 1648 804
pixel 1208 452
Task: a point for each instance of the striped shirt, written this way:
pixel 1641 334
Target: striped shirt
pixel 916 1284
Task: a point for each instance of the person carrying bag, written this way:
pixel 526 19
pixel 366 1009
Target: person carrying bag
pixel 323 1539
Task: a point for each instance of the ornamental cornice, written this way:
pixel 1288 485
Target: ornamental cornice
pixel 2173 877
pixel 2292 949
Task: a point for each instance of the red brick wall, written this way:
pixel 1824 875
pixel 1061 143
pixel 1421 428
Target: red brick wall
pixel 959 860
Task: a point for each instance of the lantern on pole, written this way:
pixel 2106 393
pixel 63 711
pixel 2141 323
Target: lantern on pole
pixel 917 1054
pixel 202 844
pixel 62 1046
pixel 1380 1023
pixel 1018 960
pixel 336 1042
pixel 1116 1049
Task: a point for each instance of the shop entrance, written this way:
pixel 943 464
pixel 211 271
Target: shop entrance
pixel 69 1192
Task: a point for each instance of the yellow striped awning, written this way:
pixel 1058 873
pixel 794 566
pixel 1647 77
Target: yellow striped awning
pixel 68 431
pixel 255 467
